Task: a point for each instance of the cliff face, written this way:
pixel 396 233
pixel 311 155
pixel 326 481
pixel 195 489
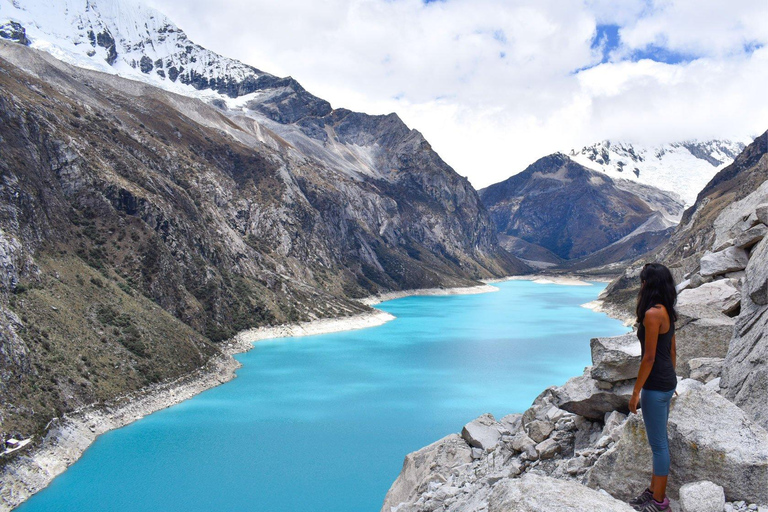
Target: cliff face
pixel 139 228
pixel 574 212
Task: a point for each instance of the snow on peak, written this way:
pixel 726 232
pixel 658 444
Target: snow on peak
pixel 128 38
pixel 680 167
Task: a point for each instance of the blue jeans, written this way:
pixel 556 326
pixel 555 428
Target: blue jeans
pixel 655 406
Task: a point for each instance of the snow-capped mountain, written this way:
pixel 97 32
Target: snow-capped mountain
pixel 681 167
pixel 127 38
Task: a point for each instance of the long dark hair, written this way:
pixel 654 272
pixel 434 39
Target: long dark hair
pixel 658 287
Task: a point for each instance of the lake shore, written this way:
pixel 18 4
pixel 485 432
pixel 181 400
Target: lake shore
pixel 68 437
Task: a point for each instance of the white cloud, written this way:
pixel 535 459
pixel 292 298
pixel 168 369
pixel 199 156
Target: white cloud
pixel 492 83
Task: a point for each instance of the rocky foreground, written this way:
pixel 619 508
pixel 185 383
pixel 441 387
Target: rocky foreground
pixel 577 449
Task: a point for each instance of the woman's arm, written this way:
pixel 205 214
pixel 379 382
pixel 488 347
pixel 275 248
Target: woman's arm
pixel 652 324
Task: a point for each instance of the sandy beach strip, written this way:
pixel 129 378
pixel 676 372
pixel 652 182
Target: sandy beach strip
pixel 466 290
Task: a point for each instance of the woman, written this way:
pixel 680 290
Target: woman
pixel 656 379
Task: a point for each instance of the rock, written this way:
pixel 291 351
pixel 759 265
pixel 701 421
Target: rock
pixel 756 280
pixel 536 493
pixel 710 438
pixel 555 414
pixel 745 372
pixel 613 420
pixel 727 260
pixel 512 422
pixel 582 396
pixel 703 496
pixel 483 432
pixel 477 453
pixel 751 236
pixel 713 385
pixel 547 448
pixel 539 430
pixel 762 213
pixel 703 338
pixel 683 285
pixel 616 358
pixel 697 280
pixel 705 369
pixel 723 294
pixel 433 463
pixel 576 464
pixel 521 442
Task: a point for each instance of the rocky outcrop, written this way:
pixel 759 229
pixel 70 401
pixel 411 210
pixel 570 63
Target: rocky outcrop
pixel 592 399
pixel 699 450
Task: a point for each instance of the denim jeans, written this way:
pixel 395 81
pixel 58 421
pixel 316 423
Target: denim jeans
pixel 655 406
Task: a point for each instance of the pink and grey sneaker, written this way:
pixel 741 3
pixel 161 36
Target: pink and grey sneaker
pixel 654 506
pixel 638 502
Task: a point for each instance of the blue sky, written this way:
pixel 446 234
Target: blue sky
pixel 495 84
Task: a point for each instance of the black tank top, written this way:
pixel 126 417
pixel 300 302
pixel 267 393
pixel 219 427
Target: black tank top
pixel 663 376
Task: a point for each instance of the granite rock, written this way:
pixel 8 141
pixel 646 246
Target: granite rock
pixel 616 358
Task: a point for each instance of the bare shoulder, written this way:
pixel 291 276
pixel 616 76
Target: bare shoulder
pixel 655 315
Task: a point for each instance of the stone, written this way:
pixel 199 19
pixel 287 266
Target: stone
pixel 703 496
pixel 555 414
pixel 483 432
pixel 756 279
pixel 683 285
pixel 582 396
pixel 710 438
pixel 512 422
pixel 751 236
pixel 536 493
pixel 761 212
pixel 521 442
pixel 703 338
pixel 727 260
pixel 723 295
pixel 697 280
pixel 576 464
pixel 705 369
pixel 433 463
pixel 547 448
pixel 616 358
pixel 713 385
pixel 539 430
pixel 744 379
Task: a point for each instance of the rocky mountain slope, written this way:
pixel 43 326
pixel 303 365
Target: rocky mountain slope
pixel 680 167
pixel 577 439
pixel 139 228
pixel 557 210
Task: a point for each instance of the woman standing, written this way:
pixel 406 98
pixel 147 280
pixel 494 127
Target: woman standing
pixel 656 379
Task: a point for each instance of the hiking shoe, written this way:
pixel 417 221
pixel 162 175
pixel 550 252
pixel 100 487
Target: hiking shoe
pixel 654 506
pixel 639 501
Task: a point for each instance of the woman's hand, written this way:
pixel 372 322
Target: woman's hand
pixel 633 402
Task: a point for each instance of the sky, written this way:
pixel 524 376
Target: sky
pixel 494 85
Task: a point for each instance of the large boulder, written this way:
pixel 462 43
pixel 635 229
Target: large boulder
pixel 723 295
pixel 761 212
pixel 583 396
pixel 433 463
pixel 751 236
pixel 745 372
pixel 710 438
pixel 707 335
pixel 705 369
pixel 729 259
pixel 535 493
pixel 483 432
pixel 756 278
pixel 616 358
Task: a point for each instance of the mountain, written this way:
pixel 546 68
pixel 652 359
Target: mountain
pixel 681 167
pixel 557 210
pixel 695 234
pixel 140 228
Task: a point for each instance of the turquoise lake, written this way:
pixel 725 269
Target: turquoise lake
pixel 322 423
